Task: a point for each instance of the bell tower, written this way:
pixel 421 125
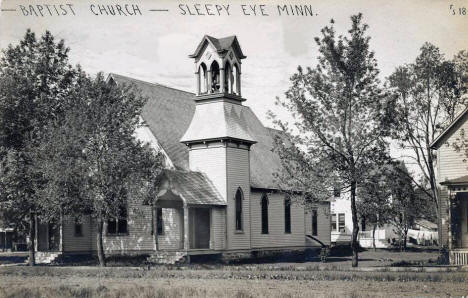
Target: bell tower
pixel 218 136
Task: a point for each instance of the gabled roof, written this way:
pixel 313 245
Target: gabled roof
pixel 456 123
pixel 221 45
pixel 193 187
pixel 463 180
pixel 168 114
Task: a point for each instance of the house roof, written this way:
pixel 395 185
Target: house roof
pixel 444 135
pixel 463 180
pixel 193 187
pixel 168 114
pixel 426 224
pixel 221 45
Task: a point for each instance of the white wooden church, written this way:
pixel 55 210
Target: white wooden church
pixel 218 193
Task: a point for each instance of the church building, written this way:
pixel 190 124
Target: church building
pixel 218 194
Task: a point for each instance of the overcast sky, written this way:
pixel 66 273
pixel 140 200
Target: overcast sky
pixel 155 46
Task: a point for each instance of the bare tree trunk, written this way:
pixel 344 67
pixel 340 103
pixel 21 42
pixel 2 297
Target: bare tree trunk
pixel 100 248
pixel 373 237
pixel 354 238
pixel 32 236
pixel 405 234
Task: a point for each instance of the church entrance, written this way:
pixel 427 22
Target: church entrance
pixel 199 219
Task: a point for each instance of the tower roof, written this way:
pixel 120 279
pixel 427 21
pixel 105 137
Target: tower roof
pixel 222 45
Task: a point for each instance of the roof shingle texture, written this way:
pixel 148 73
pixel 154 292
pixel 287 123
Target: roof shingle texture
pixel 195 187
pixel 168 114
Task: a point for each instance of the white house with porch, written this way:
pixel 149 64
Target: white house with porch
pixel 218 194
pixel 452 178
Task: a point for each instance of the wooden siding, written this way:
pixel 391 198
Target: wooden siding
pixel 74 243
pixel 323 222
pixel 173 226
pixel 276 236
pixel 139 236
pixel 238 175
pixel 212 162
pixel 450 165
pixel 218 226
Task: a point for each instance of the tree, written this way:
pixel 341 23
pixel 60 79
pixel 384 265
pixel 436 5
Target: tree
pixel 35 79
pixel 92 161
pixel 343 116
pixel 430 93
pixel 374 199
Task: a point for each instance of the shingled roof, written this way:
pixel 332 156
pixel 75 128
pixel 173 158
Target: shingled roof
pixel 194 187
pixel 221 45
pixel 168 114
pixel 463 180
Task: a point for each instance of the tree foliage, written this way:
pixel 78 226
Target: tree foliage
pixel 342 114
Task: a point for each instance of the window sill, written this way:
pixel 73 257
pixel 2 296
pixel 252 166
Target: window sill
pixel 239 232
pixel 116 234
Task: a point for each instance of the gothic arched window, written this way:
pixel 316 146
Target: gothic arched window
pixel 239 197
pixel 264 204
pixel 215 77
pixel 202 72
pixel 236 80
pixel 228 78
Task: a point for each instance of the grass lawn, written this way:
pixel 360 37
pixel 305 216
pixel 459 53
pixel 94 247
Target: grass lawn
pixel 279 279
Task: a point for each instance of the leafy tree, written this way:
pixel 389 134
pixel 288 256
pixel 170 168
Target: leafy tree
pixel 430 93
pixel 343 116
pixel 35 80
pixel 93 162
pixel 374 199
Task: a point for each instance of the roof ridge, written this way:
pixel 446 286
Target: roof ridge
pixel 150 83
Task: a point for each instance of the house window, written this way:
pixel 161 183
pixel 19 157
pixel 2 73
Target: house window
pixel 314 222
pixel 333 222
pixel 159 221
pixel 341 222
pixel 238 199
pixel 264 214
pixel 118 225
pixel 336 192
pixel 78 229
pixel 287 215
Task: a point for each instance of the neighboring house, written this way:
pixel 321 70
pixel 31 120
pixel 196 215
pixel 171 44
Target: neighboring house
pixel 452 179
pixel 341 219
pixel 218 193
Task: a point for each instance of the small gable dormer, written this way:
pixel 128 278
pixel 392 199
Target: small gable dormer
pixel 218 67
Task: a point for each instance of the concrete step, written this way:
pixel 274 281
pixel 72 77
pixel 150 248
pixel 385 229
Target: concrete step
pixel 43 257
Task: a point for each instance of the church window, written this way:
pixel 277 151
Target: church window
pixel 118 225
pixel 287 216
pixel 264 204
pixel 314 222
pixel 239 198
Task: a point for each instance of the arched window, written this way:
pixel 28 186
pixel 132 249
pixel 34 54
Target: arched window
pixel 236 80
pixel 215 77
pixel 264 204
pixel 202 72
pixel 228 78
pixel 239 198
pixel 287 215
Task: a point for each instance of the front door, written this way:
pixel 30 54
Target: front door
pixel 199 228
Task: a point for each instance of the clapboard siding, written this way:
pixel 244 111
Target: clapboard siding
pixel 76 243
pixel 139 237
pixel 212 162
pixel 450 161
pixel 218 226
pixel 323 222
pixel 172 229
pixel 444 215
pixel 276 236
pixel 238 175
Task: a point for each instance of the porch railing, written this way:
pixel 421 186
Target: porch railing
pixel 459 257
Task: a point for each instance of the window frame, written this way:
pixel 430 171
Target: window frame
pixel 334 223
pixel 264 202
pixel 238 209
pixel 122 218
pixel 341 228
pixel 314 222
pixel 287 216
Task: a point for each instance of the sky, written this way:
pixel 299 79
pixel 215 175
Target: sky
pixel 155 45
